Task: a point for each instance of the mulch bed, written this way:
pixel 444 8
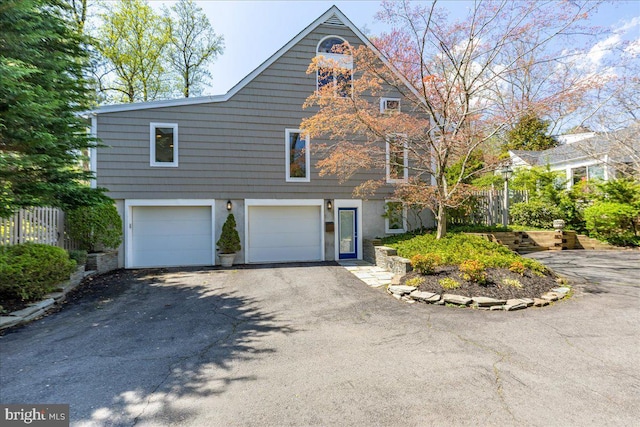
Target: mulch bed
pixel 533 286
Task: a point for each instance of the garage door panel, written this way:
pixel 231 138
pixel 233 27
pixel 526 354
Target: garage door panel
pixel 171 236
pixel 284 233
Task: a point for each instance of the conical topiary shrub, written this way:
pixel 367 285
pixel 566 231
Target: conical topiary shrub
pixel 229 242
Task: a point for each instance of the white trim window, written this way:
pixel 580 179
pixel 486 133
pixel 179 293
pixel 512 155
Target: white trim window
pixel 297 156
pixel 339 66
pixel 389 105
pixel 163 142
pixel 397 159
pixel 395 217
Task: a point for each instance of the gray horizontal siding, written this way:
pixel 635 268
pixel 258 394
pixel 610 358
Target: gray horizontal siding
pixel 232 149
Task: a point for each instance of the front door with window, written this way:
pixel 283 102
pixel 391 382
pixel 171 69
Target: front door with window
pixel 348 233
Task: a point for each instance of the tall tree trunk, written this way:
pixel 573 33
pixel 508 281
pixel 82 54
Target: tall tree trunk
pixel 441 218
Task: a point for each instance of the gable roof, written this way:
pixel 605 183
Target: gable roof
pixel 593 146
pixel 333 16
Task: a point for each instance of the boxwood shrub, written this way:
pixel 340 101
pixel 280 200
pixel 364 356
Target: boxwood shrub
pixel 536 213
pixel 29 271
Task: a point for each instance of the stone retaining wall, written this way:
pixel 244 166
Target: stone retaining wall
pixel 102 262
pixel 385 257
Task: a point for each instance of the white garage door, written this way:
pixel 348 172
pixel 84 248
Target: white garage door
pixel 284 233
pixel 164 236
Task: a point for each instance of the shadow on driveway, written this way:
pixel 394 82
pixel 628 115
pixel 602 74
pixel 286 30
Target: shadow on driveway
pixel 133 343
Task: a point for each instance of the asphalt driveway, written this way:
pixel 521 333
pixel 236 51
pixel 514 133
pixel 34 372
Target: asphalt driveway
pixel 312 345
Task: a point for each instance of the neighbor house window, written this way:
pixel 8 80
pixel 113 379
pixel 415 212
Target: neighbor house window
pixel 389 105
pixel 395 217
pixel 587 173
pixel 337 74
pixel 164 144
pixel 297 156
pixel 578 175
pixel 595 172
pixel 397 159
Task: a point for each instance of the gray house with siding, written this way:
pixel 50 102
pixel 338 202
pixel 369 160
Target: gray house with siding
pixel 176 168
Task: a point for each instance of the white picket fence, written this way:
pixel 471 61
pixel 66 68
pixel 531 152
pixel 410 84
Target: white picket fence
pixel 35 225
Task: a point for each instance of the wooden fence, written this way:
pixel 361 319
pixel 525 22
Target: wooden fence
pixel 485 207
pixel 35 225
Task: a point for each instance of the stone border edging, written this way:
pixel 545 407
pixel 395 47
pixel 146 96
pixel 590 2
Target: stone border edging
pixel 38 309
pixel 411 295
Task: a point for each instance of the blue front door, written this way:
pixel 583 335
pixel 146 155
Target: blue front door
pixel 348 233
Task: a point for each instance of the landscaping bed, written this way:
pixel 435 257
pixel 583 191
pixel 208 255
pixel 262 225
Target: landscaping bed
pixel 533 286
pixel 470 266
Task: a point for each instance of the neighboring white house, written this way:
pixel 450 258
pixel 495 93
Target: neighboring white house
pixel 585 156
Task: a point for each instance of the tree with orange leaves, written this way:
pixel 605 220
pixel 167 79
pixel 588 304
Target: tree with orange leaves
pixel 459 87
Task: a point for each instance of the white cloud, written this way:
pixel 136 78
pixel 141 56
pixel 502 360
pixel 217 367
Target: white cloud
pixel 602 48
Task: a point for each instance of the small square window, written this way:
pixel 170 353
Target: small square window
pixel 395 217
pixel 297 156
pixel 164 144
pixel 389 105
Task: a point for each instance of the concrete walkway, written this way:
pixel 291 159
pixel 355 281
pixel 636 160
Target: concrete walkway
pixel 370 274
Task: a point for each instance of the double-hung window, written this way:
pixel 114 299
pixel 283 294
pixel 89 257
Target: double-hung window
pixel 297 156
pixel 164 144
pixel 397 164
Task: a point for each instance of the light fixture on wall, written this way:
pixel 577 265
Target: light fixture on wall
pixel 229 206
pixel 329 205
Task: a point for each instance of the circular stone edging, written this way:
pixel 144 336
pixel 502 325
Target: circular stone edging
pixel 411 295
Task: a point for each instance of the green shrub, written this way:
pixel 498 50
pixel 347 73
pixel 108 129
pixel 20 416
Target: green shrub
pixel 535 214
pixel 426 264
pixel 78 255
pixel 414 281
pixel 457 247
pixel 449 283
pixel 30 271
pixel 613 222
pixel 513 283
pixel 473 271
pixel 229 241
pixel 626 191
pixel 95 226
pixel 517 267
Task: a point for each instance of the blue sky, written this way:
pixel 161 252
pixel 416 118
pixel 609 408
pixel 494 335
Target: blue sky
pixel 254 30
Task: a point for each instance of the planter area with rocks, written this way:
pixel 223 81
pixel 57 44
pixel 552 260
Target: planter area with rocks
pixel 411 294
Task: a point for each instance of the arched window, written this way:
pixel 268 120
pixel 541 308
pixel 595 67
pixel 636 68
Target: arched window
pixel 336 53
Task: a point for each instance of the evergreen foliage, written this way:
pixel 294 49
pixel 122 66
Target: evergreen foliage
pixel 42 137
pixel 530 133
pixel 96 226
pixel 229 241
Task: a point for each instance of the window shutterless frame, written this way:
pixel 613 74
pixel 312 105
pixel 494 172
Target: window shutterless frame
pixel 163 145
pixel 388 105
pixel 297 156
pixel 394 162
pixel 395 224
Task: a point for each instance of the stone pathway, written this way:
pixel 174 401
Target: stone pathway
pixel 370 274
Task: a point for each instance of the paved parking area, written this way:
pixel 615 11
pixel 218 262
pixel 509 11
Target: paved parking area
pixel 313 345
